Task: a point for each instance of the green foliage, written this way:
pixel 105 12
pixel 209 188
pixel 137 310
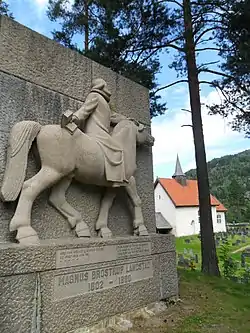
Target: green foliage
pixel 118 34
pixel 207 23
pixel 234 44
pixel 228 252
pixel 192 266
pixel 230 183
pixel 4 9
pixel 223 27
pixel 229 265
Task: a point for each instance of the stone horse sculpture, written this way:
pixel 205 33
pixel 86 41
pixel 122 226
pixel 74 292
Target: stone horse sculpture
pixel 66 152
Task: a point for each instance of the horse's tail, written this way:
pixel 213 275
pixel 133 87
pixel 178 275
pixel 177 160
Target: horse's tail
pixel 20 140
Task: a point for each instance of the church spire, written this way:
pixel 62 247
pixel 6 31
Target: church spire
pixel 179 175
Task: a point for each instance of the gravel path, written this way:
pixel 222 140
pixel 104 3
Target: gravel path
pixel 241 249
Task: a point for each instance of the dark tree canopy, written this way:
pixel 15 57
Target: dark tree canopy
pixel 121 35
pixel 4 9
pixel 230 183
pixel 234 43
pixel 222 26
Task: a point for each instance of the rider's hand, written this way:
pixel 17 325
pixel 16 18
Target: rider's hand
pixel 75 120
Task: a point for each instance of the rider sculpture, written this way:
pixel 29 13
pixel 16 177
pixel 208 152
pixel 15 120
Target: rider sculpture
pixel 94 119
pixel 84 147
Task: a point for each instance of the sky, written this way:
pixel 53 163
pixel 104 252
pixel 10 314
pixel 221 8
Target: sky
pixel 170 137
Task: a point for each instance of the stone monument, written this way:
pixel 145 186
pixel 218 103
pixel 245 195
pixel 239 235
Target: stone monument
pixel 77 223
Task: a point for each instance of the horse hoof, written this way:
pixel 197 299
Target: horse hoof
pixel 72 221
pixel 141 231
pixel 17 223
pixel 105 233
pixel 82 230
pixel 27 236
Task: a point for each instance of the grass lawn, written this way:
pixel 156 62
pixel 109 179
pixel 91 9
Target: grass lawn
pixel 212 305
pixel 194 244
pixel 208 305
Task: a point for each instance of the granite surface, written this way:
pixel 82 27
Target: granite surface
pixel 35 58
pixel 29 274
pixel 16 259
pixel 64 315
pixel 17 300
pixel 39 80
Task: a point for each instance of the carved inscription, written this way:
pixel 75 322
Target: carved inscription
pixel 88 281
pixel 81 256
pixel 133 250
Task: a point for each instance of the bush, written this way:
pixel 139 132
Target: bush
pixel 229 265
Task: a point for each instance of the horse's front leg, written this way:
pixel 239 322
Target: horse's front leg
pixel 138 223
pixel 58 200
pixel 102 221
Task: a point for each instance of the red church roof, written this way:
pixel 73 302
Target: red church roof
pixel 221 208
pixel 186 196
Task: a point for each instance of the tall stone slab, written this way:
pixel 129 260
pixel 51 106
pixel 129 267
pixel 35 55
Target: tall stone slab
pixel 66 283
pixel 40 80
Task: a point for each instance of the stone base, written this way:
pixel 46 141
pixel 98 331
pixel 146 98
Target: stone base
pixel 123 322
pixel 62 285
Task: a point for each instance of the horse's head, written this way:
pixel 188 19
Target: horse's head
pixel 137 131
pixel 143 137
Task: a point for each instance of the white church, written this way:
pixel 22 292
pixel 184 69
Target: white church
pixel 177 206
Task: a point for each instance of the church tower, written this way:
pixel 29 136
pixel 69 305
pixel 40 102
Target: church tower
pixel 179 175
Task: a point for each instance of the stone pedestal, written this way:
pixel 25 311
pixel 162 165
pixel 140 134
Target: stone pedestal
pixel 63 285
pixel 67 283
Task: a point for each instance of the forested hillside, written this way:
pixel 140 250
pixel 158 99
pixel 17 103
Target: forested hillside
pixel 229 178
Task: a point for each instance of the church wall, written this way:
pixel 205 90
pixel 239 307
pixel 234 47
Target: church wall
pixel 165 206
pixel 187 222
pixel 220 227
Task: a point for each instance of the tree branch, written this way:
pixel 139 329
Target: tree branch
pixel 206 70
pixel 138 56
pixel 171 1
pixel 180 49
pixel 208 63
pixel 216 86
pixel 148 57
pixel 203 33
pixel 204 41
pixel 169 85
pixel 206 31
pixel 220 6
pixel 161 46
pixel 208 49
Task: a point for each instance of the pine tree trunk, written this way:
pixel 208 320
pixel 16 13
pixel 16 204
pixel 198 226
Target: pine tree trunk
pixel 208 250
pixel 86 41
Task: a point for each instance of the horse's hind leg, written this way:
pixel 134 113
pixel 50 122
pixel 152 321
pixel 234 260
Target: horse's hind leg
pixel 58 200
pixel 21 220
pixel 139 226
pixel 102 221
